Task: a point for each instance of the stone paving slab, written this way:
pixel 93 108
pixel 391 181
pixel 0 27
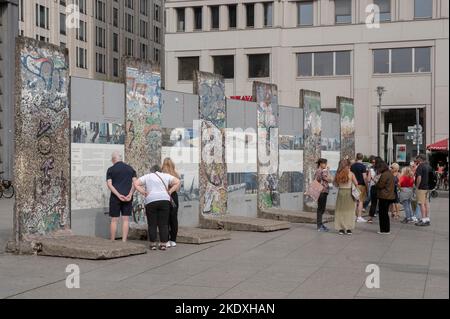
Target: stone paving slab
pixel 186 235
pixel 81 247
pixel 238 223
pixel 294 217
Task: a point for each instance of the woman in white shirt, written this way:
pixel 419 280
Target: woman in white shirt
pixel 157 187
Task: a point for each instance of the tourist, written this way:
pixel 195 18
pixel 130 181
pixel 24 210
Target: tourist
pixel 415 206
pixel 323 176
pixel 120 178
pixel 395 210
pixel 372 178
pixel 406 191
pixel 360 172
pixel 386 196
pixel 158 189
pixel 422 189
pixel 344 220
pixel 169 168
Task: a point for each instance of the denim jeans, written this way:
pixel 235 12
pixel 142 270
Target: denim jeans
pixel 408 209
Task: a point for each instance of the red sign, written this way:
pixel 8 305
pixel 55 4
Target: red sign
pixel 247 98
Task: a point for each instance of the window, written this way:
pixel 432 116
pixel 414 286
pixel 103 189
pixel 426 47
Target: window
pixel 129 4
pixel 81 5
pixel 259 65
pixel 250 15
pixel 304 64
pixel 129 23
pixel 100 37
pixel 144 50
pixel 81 32
pixel 143 8
pixel 186 68
pixel 343 11
pixel 115 42
pixel 62 2
pixel 81 58
pixel 129 47
pixel 157 12
pixel 422 60
pixel 180 20
pixel 268 14
pixel 143 29
pixel 100 10
pixel 42 17
pixel 157 34
pixel 116 17
pixel 100 63
pixel 232 16
pixel 402 60
pixel 385 9
pixel 305 13
pixel 21 14
pixel 423 9
pixel 381 61
pixel 62 23
pixel 62 45
pixel 323 63
pixel 198 18
pixel 115 67
pixel 224 65
pixel 156 55
pixel 342 63
pixel 215 17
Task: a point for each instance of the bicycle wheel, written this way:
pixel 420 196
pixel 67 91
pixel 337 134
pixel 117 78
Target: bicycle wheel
pixel 8 192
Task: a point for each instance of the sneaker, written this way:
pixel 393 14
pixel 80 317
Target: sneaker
pixel 361 220
pixel 370 221
pixel 169 244
pixel 405 221
pixel 422 223
pixel 153 247
pixel 341 232
pixel 383 233
pixel 414 219
pixel 322 229
pixel 349 232
pixel 172 244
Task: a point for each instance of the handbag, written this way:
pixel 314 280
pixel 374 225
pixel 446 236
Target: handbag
pixel 172 202
pixel 405 194
pixel 314 190
pixel 355 193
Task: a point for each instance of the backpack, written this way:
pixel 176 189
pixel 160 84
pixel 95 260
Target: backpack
pixel 432 179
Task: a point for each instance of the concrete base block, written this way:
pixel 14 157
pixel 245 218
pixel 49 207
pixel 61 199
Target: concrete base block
pixel 294 217
pixel 80 247
pixel 186 235
pixel 237 223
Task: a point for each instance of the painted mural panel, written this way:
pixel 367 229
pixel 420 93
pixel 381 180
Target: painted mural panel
pixel 310 102
pixel 213 168
pixel 346 108
pixel 143 137
pixel 42 158
pixel 291 164
pixel 266 97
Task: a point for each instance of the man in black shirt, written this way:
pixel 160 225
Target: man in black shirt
pixel 422 190
pixel 120 178
pixel 360 171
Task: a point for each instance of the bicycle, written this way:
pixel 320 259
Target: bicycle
pixel 6 188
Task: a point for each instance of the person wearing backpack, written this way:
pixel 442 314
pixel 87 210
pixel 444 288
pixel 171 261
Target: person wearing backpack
pixel 424 183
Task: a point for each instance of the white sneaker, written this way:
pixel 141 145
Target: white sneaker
pixel 169 244
pixel 172 244
pixel 361 220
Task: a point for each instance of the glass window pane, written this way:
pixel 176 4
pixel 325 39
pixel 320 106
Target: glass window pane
pixel 381 61
pixel 198 18
pixel 305 13
pixel 259 66
pixel 323 63
pixel 180 19
pixel 385 9
pixel 232 16
pixel 343 63
pixel 224 65
pixel 250 14
pixel 304 64
pixel 422 60
pixel 402 60
pixel 186 68
pixel 343 11
pixel 215 17
pixel 423 8
pixel 268 14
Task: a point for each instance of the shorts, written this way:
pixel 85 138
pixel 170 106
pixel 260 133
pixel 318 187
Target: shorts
pixel 422 196
pixel 363 193
pixel 118 208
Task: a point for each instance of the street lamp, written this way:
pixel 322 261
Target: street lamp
pixel 380 91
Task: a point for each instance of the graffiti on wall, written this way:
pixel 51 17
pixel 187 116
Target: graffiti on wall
pixel 213 168
pixel 310 102
pixel 346 109
pixel 266 97
pixel 143 137
pixel 42 158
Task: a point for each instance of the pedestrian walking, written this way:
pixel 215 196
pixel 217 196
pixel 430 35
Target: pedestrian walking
pixel 169 168
pixel 394 208
pixel 344 218
pixel 361 174
pixel 406 191
pixel 120 178
pixel 424 176
pixel 386 196
pixel 157 188
pixel 323 176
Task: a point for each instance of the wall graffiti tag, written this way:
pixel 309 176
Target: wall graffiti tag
pixel 266 97
pixel 42 158
pixel 213 169
pixel 346 109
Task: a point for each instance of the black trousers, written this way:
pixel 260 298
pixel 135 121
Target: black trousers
pixel 173 219
pixel 373 201
pixel 158 219
pixel 383 215
pixel 321 206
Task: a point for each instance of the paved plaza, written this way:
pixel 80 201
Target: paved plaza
pixel 295 263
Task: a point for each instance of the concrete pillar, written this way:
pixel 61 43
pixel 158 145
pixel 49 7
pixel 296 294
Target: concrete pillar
pixel 240 16
pixel 223 17
pixel 206 18
pixel 242 73
pixel 189 19
pixel 440 96
pixel 259 15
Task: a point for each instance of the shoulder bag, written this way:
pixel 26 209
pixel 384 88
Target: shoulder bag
pixel 172 202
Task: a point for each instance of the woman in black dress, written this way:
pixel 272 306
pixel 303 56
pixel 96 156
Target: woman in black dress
pixel 169 168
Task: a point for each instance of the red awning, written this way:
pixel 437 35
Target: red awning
pixel 439 146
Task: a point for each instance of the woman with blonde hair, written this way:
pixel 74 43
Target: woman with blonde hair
pixel 406 185
pixel 395 211
pixel 168 167
pixel 344 220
